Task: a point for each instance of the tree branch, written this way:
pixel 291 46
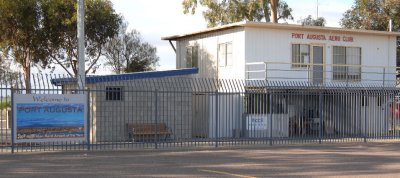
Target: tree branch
pixel 95 61
pixel 62 65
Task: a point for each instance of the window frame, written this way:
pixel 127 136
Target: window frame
pixel 226 53
pixel 192 52
pixel 346 76
pixel 301 63
pixel 114 93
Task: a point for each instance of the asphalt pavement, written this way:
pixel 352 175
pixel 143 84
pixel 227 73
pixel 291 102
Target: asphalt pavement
pixel 326 160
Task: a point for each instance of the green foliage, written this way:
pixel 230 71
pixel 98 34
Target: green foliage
pixel 101 24
pixel 127 52
pixel 5 103
pixel 372 15
pixel 22 38
pixel 230 11
pixel 45 32
pixel 309 21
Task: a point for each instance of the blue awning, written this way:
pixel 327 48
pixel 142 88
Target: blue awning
pixel 127 76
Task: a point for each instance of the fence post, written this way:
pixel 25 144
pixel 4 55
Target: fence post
pixel 270 119
pixel 88 119
pixel 13 131
pixel 321 120
pixel 156 118
pixel 365 116
pixel 216 118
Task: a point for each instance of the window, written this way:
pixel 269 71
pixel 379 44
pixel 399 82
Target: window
pixel 300 55
pixel 225 54
pixel 346 56
pixel 192 56
pixel 113 93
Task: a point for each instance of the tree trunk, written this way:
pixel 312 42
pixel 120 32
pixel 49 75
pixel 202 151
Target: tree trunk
pixel 265 5
pixel 27 78
pixel 274 10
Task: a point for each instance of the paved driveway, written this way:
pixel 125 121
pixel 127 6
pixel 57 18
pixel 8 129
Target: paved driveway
pixel 343 159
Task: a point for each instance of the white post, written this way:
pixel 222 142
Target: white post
pixel 81 44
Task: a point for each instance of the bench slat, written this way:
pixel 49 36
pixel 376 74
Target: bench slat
pixel 147 130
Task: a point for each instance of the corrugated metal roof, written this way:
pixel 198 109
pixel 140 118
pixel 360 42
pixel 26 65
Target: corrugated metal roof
pixel 283 26
pixel 127 76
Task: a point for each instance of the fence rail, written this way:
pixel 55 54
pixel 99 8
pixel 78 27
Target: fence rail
pixel 187 112
pixel 322 73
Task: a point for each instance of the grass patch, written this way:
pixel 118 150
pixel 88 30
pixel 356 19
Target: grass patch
pixel 5 103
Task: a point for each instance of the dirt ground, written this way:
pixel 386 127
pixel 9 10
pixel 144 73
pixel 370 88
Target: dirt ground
pixel 326 160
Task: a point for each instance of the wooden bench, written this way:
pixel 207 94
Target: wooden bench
pixel 148 131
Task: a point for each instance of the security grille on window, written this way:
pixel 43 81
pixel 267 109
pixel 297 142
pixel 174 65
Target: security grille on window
pixel 192 56
pixel 350 56
pixel 300 55
pixel 225 54
pixel 113 93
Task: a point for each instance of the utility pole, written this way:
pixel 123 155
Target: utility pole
pixel 317 8
pixel 81 77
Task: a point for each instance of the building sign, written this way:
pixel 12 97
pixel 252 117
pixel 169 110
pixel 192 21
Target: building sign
pixel 255 122
pixel 42 117
pixel 311 36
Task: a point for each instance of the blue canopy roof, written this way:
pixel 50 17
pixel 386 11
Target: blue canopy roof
pixel 127 76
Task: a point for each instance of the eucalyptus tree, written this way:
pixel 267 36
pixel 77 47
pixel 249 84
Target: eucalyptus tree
pixel 372 15
pixel 101 24
pixel 230 11
pixel 310 21
pixel 22 36
pixel 44 33
pixel 128 52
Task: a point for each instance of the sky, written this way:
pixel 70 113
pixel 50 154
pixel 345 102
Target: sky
pixel 159 18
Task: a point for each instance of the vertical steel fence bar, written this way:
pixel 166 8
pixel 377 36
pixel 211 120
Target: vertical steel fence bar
pixel 270 119
pixel 155 117
pixel 216 117
pixel 13 131
pixel 365 116
pixel 320 117
pixel 88 106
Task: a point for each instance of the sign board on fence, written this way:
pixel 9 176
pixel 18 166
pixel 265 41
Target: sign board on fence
pixel 49 117
pixel 256 122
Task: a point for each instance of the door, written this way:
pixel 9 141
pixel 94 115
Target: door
pixel 318 67
pixel 200 114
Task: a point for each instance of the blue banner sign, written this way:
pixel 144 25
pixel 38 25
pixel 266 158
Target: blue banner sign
pixel 42 118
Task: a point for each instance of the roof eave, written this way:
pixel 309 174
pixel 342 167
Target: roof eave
pixel 282 26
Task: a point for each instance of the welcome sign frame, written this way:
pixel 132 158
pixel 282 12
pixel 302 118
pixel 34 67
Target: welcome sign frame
pixel 49 117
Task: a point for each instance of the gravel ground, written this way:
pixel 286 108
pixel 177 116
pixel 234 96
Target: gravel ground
pixel 326 160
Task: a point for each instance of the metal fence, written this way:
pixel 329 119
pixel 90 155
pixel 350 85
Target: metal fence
pixel 154 113
pixel 322 73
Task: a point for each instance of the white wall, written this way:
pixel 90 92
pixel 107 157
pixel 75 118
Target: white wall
pixel 274 45
pixel 208 53
pixel 230 109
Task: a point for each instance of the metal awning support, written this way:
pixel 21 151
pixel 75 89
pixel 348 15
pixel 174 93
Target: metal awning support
pixel 172 45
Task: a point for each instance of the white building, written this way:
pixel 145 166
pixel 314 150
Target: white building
pixel 291 55
pixel 257 50
pixel 288 80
